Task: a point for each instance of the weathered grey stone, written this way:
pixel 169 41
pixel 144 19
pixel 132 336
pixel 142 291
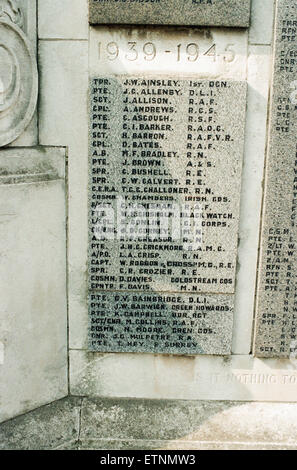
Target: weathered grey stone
pixel 70 445
pixel 18 72
pixel 168 424
pixel 277 287
pixel 33 307
pixel 54 426
pixel 169 147
pixel 126 424
pixel 111 444
pixel 181 12
pixel 157 323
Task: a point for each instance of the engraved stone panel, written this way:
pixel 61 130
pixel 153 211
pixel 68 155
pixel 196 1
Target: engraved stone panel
pixel 165 167
pixel 18 72
pixel 276 314
pixel 171 12
pixel 211 52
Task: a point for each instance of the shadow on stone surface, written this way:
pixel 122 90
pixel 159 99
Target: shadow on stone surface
pixel 78 423
pixel 52 426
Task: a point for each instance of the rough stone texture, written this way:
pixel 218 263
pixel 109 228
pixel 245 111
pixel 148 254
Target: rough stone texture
pixel 212 145
pixel 183 12
pixel 19 78
pixel 203 205
pixel 33 310
pixel 105 424
pixel 109 444
pixel 277 287
pixel 179 324
pixel 207 422
pixel 216 59
pixel 54 426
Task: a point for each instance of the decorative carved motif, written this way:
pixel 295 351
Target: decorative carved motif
pixel 11 10
pixel 10 90
pixel 18 73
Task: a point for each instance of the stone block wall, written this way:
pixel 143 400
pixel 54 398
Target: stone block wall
pixel 44 236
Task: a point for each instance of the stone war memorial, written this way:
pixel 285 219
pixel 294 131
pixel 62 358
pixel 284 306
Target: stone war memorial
pixel 148 224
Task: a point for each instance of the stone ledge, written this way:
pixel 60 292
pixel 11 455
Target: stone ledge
pixel 52 426
pixel 125 424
